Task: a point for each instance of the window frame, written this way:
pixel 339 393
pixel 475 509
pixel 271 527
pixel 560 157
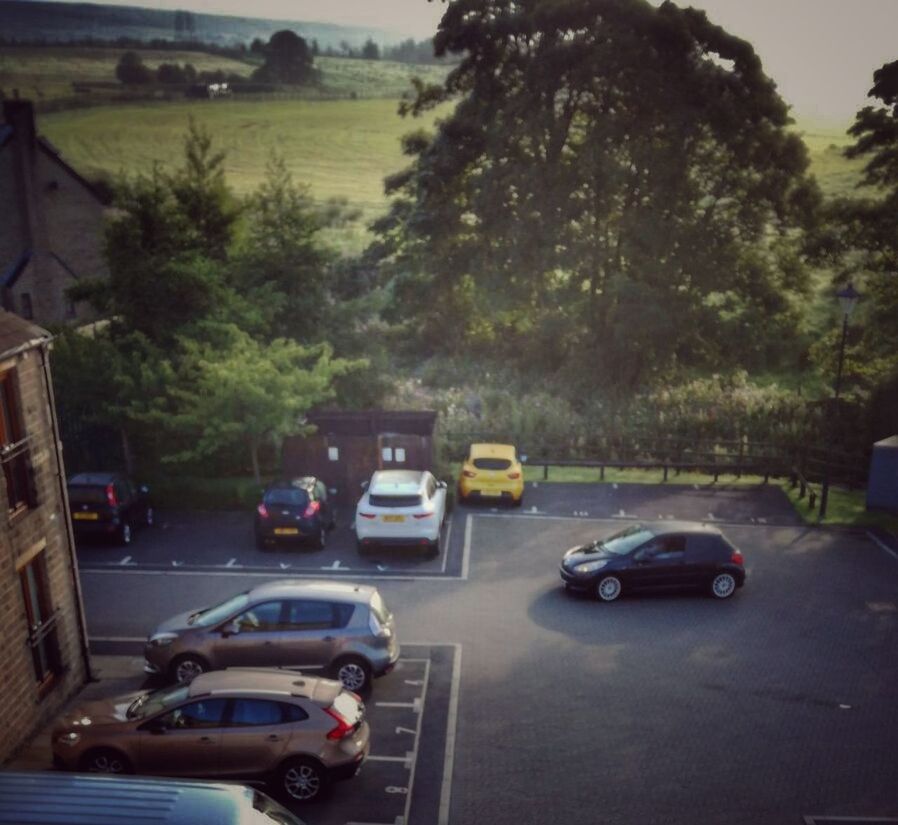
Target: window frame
pixel 42 619
pixel 15 447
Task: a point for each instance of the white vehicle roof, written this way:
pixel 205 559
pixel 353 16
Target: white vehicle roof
pixel 396 482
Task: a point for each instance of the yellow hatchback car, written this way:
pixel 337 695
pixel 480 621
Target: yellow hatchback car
pixel 492 471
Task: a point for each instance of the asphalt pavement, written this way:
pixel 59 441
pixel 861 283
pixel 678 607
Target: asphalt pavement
pixel 776 706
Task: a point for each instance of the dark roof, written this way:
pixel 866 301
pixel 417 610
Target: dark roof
pixel 17 334
pixel 373 422
pixel 11 275
pixel 50 150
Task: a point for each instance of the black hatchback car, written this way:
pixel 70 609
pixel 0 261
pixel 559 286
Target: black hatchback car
pixel 108 505
pixel 671 555
pixel 293 510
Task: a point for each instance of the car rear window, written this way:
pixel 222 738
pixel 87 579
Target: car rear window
pixel 287 497
pixel 379 608
pixel 491 463
pixel 381 500
pixel 87 495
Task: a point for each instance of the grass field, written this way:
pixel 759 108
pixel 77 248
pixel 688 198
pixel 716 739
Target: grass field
pixel 47 73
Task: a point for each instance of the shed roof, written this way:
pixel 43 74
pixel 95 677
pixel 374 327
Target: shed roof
pixel 17 334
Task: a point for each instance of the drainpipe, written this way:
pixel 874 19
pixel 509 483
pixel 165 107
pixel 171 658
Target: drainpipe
pixel 66 518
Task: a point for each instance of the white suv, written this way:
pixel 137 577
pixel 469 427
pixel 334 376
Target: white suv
pixel 401 507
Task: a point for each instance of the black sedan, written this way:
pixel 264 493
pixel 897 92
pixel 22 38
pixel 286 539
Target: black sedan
pixel 670 555
pixel 108 505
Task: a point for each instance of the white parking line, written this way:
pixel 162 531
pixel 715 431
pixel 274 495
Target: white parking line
pixel 446 546
pixel 466 552
pixel 117 639
pixel 451 722
pixel 411 776
pixel 882 544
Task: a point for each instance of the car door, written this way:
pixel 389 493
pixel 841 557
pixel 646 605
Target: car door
pixel 250 639
pixel 255 735
pixel 310 639
pixel 184 741
pixel 659 563
pixel 702 559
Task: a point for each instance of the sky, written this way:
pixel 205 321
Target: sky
pixel 821 53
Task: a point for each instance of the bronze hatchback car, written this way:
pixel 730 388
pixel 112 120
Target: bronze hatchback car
pixel 299 733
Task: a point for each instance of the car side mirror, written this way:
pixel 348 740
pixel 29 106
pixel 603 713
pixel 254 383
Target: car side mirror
pixel 230 629
pixel 144 489
pixel 442 485
pixel 332 491
pixel 523 458
pixel 640 555
pixel 364 485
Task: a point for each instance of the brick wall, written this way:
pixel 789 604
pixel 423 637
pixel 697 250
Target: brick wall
pixel 23 710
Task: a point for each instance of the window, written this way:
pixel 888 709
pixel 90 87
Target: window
pixel 333 453
pixel 42 631
pixel 256 712
pixel 387 453
pixel 27 310
pixel 14 453
pixel 287 497
pixel 399 455
pixel 207 713
pixel 666 548
pixel 310 615
pixel 261 618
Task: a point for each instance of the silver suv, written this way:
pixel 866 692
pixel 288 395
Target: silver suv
pixel 336 629
pixel 295 731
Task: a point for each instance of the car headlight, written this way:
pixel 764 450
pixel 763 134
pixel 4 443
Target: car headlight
pixel 590 566
pixel 162 639
pixel 70 738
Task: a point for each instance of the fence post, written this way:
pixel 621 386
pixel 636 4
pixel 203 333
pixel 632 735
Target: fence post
pixel 665 472
pixel 545 472
pixel 601 472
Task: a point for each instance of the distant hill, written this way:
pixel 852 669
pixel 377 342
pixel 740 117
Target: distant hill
pixel 31 20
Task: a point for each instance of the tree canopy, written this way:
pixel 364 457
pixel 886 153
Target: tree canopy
pixel 616 187
pixel 288 59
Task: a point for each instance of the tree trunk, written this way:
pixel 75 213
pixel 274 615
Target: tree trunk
pixel 127 453
pixel 254 455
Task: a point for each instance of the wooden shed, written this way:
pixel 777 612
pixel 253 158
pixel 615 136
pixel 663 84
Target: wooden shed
pixel 350 445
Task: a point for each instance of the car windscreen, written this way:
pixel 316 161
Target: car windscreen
pixel 491 463
pixel 626 541
pixel 150 704
pixel 214 615
pixel 376 500
pixel 287 497
pixel 81 494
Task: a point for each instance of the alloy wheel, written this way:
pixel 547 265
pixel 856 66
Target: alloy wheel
pixel 353 676
pixel 609 588
pixel 723 586
pixel 188 669
pixel 302 781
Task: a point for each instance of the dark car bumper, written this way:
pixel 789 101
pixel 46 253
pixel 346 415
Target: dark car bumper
pixel 575 582
pixel 304 529
pixel 95 528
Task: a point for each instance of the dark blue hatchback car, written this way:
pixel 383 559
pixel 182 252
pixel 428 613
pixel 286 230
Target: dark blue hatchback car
pixel 295 509
pixel 666 556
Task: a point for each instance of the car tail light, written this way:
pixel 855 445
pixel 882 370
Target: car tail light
pixel 343 728
pixel 736 558
pixel 469 474
pixel 368 515
pixel 515 474
pixel 262 510
pixel 314 507
pixel 110 495
pixel 422 515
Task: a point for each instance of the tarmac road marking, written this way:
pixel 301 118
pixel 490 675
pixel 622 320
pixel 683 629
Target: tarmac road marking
pixel 416 705
pixel 233 563
pixel 446 546
pixel 125 561
pixel 116 639
pixel 451 723
pixel 882 544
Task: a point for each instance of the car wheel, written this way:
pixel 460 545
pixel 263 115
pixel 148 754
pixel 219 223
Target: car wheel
pixel 608 588
pixel 261 544
pixel 302 779
pixel 354 673
pixel 360 548
pixel 517 502
pixel 723 586
pixel 124 534
pixel 150 517
pixel 433 549
pixel 321 538
pixel 104 760
pixel 186 668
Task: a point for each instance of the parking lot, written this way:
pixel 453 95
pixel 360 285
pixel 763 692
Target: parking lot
pixel 777 706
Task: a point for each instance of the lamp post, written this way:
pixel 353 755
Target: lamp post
pixel 848 298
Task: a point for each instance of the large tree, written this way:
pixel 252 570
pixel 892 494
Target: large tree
pixel 616 187
pixel 288 59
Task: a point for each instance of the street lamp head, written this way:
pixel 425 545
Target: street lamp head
pixel 848 298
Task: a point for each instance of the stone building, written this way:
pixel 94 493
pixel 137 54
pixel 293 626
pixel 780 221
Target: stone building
pixel 51 224
pixel 43 642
